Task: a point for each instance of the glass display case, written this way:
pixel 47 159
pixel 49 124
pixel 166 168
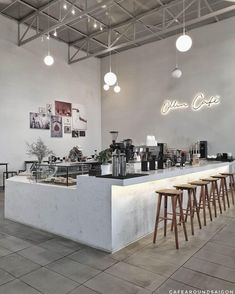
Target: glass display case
pixel 59 174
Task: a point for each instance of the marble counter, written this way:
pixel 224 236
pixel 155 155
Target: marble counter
pixel 103 213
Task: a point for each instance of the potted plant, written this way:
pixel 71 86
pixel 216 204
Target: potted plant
pixel 104 158
pixel 38 149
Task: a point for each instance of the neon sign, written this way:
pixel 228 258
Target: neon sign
pixel 199 102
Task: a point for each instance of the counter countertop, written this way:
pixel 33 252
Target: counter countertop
pixel 157 174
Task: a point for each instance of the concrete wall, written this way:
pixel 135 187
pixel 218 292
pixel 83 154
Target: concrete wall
pixel 27 83
pixel 145 78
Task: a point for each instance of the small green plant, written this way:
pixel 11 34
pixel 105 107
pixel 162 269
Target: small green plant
pixel 38 149
pixel 104 156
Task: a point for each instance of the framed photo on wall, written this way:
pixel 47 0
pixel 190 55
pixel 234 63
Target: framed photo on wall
pixel 39 121
pixel 63 108
pixel 56 126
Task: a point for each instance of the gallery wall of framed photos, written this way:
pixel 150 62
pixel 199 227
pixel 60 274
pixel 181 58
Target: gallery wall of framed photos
pixel 61 118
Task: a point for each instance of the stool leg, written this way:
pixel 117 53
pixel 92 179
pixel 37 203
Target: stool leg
pixel 222 191
pixel 157 218
pixel 208 201
pixel 191 210
pixel 218 196
pixel 226 192
pixel 165 215
pixel 197 208
pixel 202 197
pixel 175 221
pixel 182 217
pixel 214 198
pixel 232 187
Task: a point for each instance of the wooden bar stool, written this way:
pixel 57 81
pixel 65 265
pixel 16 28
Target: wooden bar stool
pixel 204 198
pixel 214 193
pixel 192 205
pixel 175 196
pixel 223 189
pixel 231 183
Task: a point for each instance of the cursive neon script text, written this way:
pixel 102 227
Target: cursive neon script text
pixel 199 102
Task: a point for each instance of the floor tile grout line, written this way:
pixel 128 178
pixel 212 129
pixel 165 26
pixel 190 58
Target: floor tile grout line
pixel 206 274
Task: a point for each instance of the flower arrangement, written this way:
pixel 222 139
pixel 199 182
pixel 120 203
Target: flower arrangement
pixel 38 149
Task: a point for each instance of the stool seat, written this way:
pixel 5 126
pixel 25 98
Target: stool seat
pixel 169 192
pixel 227 174
pixel 199 183
pixel 209 180
pixel 185 186
pixel 219 176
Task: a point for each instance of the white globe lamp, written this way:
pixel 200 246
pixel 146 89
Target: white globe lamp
pixel 48 60
pixel 176 73
pixel 106 87
pixel 117 89
pixel 184 43
pixel 110 78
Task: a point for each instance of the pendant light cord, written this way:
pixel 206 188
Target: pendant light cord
pixel 183 16
pixel 48 36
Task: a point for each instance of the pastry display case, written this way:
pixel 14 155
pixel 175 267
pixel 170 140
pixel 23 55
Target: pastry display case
pixel 59 174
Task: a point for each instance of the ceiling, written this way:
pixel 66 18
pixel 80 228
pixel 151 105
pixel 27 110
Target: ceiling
pixel 97 27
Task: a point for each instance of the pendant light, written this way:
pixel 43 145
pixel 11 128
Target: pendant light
pixel 106 87
pixel 48 59
pixel 184 42
pixel 110 78
pixel 176 73
pixel 117 89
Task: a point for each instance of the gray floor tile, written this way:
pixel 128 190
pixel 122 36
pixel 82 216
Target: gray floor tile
pixel 107 284
pixel 215 257
pixel 171 285
pixel 60 245
pixel 148 262
pixel 49 282
pixel 94 258
pixel 73 270
pixel 211 269
pixel 4 251
pixel 201 281
pixel 5 277
pixel 227 238
pixel 82 290
pixel 132 248
pixel 136 275
pixel 220 248
pixel 40 255
pixel 14 244
pixel 17 287
pixel 17 265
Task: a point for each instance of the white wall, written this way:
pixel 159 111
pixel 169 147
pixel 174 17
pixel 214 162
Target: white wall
pixel 26 83
pixel 145 78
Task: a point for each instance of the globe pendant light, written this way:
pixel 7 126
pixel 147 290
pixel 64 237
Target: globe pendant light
pixel 48 59
pixel 106 87
pixel 110 78
pixel 117 89
pixel 184 42
pixel 176 73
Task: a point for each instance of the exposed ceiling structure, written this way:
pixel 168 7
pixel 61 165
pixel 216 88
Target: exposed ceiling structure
pixel 97 27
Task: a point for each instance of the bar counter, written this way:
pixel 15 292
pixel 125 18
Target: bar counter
pixel 104 213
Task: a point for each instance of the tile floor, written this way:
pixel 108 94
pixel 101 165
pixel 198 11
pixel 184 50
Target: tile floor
pixel 33 261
